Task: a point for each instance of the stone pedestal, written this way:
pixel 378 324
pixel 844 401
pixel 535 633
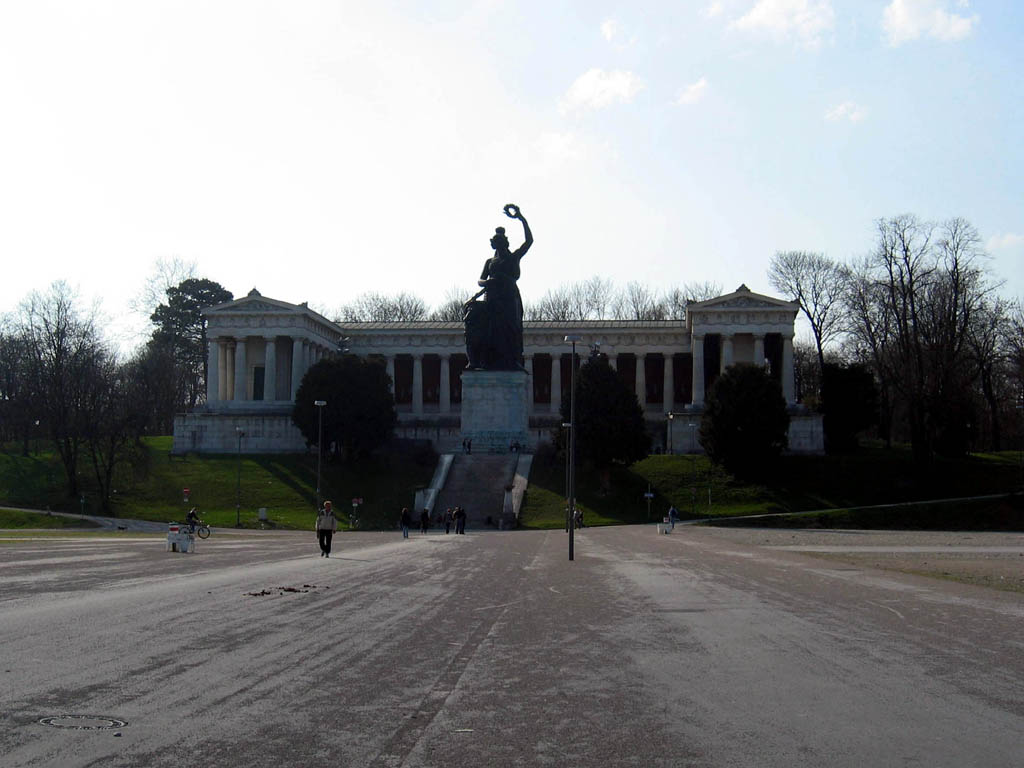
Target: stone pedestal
pixel 495 410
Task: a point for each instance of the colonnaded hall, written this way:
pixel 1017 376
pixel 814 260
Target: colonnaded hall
pixel 260 348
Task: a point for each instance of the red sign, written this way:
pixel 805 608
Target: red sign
pixel 186 492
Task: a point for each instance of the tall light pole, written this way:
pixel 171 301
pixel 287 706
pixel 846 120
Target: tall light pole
pixel 573 339
pixel 693 468
pixel 319 446
pixel 238 480
pixel 671 417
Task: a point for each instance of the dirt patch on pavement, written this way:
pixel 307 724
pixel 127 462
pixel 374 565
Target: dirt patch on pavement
pixel 986 559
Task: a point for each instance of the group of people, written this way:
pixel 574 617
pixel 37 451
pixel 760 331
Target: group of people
pixel 327 524
pixel 453 516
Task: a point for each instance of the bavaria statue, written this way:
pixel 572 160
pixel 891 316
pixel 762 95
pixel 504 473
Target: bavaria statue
pixel 494 326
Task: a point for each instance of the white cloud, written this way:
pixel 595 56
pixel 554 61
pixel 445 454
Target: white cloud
pixel 848 111
pixel 609 29
pixel 713 9
pixel 906 20
pixel 1005 242
pixel 597 89
pixel 805 20
pixel 693 93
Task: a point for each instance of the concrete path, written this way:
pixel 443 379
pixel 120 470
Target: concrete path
pixel 493 649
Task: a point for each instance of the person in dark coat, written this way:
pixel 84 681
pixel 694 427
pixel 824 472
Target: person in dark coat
pixel 448 517
pixel 424 520
pixel 460 520
pixel 405 521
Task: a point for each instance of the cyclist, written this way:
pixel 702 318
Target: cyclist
pixel 192 520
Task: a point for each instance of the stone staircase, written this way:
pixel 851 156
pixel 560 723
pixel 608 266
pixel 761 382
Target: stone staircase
pixel 477 483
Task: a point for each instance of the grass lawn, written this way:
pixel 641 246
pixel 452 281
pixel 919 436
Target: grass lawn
pixel 1002 514
pixel 13 519
pixel 698 489
pixel 285 484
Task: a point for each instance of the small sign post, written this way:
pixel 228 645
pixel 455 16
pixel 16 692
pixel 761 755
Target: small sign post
pixel 649 495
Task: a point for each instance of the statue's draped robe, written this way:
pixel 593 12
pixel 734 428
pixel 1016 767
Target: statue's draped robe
pixel 494 331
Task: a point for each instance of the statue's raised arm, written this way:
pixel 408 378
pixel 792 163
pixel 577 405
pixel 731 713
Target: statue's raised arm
pixel 513 212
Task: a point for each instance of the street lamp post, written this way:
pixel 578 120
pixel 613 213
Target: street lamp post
pixel 238 480
pixel 693 469
pixel 573 339
pixel 319 446
pixel 567 426
pixel 671 417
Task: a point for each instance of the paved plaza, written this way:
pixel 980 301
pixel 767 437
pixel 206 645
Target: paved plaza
pixel 700 648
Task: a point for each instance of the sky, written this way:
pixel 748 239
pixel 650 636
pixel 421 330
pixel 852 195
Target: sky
pixel 320 150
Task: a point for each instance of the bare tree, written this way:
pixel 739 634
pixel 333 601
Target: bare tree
pixel 166 274
pixel 597 297
pixel 375 307
pixel 116 417
pixel 914 305
pixel 817 284
pixel 702 291
pixel 451 309
pixel 675 304
pixel 63 348
pixel 639 302
pixel 557 304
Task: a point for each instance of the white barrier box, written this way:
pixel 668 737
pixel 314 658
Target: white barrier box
pixel 178 540
pixel 664 528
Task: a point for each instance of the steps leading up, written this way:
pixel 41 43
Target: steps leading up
pixel 477 483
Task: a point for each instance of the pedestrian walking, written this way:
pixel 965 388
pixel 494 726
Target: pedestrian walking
pixel 673 515
pixel 405 521
pixel 460 520
pixel 424 520
pixel 579 518
pixel 326 525
pixel 448 515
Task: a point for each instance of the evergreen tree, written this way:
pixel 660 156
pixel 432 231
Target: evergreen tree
pixel 609 423
pixel 360 412
pixel 745 421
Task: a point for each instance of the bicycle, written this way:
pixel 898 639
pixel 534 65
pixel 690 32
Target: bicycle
pixel 200 529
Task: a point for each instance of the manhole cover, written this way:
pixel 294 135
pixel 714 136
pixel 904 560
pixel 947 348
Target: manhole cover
pixel 83 722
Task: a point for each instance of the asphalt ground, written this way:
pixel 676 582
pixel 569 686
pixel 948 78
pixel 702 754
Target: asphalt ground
pixel 695 649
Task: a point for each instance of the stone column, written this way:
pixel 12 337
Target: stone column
pixel 556 383
pixel 391 371
pixel 296 366
pixel 270 370
pixel 241 369
pixel 726 352
pixel 641 381
pixel 222 369
pixel 668 384
pixel 212 372
pixel 229 387
pixel 417 384
pixel 788 389
pixel 759 349
pixel 528 360
pixel 698 370
pixel 446 384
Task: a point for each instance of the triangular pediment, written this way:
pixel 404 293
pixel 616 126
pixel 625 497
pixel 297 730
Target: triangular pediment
pixel 743 298
pixel 257 303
